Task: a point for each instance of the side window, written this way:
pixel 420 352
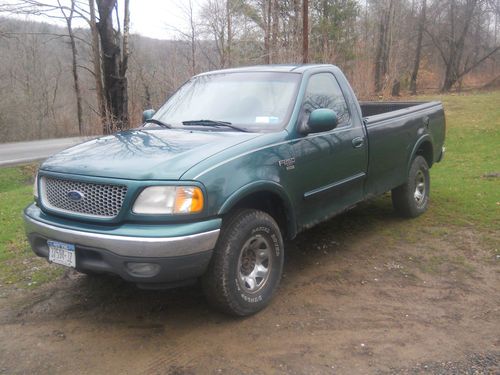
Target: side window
pixel 323 91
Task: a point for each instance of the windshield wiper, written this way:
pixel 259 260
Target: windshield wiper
pixel 158 122
pixel 213 123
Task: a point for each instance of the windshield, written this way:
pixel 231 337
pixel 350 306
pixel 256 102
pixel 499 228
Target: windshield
pixel 253 101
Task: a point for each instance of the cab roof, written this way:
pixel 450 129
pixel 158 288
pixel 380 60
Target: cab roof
pixel 292 68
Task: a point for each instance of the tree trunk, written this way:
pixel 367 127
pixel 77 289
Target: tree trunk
pixel 113 66
pixel 96 59
pixel 297 27
pixel 124 64
pixel 125 44
pixel 396 88
pixel 274 30
pixel 418 54
pixel 267 31
pixel 497 24
pixel 229 32
pixel 456 46
pixel 379 58
pixel 76 81
pixel 324 30
pixel 305 31
pixel 192 37
pixel 384 46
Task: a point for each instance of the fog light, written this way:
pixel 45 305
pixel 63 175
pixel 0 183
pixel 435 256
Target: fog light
pixel 143 269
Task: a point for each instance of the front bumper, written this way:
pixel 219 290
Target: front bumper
pixel 104 249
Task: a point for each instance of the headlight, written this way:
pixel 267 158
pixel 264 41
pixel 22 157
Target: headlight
pixel 169 200
pixel 35 187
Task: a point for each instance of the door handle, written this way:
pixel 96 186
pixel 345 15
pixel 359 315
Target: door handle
pixel 358 142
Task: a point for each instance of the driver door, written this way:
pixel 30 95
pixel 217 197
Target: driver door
pixel 330 167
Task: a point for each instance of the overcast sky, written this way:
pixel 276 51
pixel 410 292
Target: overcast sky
pixel 158 18
pixel 152 18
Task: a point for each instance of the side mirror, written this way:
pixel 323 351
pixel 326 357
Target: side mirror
pixel 321 120
pixel 148 114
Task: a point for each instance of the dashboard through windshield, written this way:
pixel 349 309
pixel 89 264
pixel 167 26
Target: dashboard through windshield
pixel 253 101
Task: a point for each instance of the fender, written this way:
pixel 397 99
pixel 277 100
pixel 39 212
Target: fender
pixel 263 186
pixel 422 139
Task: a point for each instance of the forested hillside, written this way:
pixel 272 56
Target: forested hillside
pixel 37 97
pixel 60 80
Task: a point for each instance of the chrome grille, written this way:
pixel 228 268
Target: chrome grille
pixel 96 200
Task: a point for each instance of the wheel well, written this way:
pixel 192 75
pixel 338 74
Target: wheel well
pixel 270 203
pixel 425 150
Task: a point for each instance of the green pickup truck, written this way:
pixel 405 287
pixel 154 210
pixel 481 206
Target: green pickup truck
pixel 232 164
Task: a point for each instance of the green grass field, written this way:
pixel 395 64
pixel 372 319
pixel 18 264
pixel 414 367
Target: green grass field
pixel 465 188
pixel 18 265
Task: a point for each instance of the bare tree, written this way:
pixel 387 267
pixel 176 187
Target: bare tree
pixel 97 73
pixel 190 35
pixel 265 14
pixel 384 44
pixel 418 50
pixel 229 15
pixel 114 62
pixel 30 7
pixel 69 20
pixel 43 66
pixel 450 39
pixel 217 15
pixel 333 30
pixel 305 31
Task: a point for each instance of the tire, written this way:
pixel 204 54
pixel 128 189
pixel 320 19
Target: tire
pixel 241 281
pixel 412 199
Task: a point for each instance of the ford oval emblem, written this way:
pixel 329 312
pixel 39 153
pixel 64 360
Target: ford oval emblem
pixel 75 196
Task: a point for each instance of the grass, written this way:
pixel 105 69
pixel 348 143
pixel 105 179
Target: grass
pixel 18 265
pixel 443 264
pixel 464 188
pixel 462 193
pixel 15 193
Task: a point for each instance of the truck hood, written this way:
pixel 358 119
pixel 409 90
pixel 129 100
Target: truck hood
pixel 151 154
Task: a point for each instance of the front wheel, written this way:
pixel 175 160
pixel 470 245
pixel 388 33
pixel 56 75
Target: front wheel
pixel 412 198
pixel 247 263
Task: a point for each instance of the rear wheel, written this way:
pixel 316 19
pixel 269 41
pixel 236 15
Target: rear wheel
pixel 247 263
pixel 412 198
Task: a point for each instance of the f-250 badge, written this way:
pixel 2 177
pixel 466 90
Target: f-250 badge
pixel 288 163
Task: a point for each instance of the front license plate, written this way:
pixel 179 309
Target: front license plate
pixel 62 253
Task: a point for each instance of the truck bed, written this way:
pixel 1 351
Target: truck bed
pixel 394 128
pixel 378 108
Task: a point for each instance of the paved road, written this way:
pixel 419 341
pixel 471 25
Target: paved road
pixel 24 152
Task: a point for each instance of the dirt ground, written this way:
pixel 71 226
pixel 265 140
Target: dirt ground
pixel 365 293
